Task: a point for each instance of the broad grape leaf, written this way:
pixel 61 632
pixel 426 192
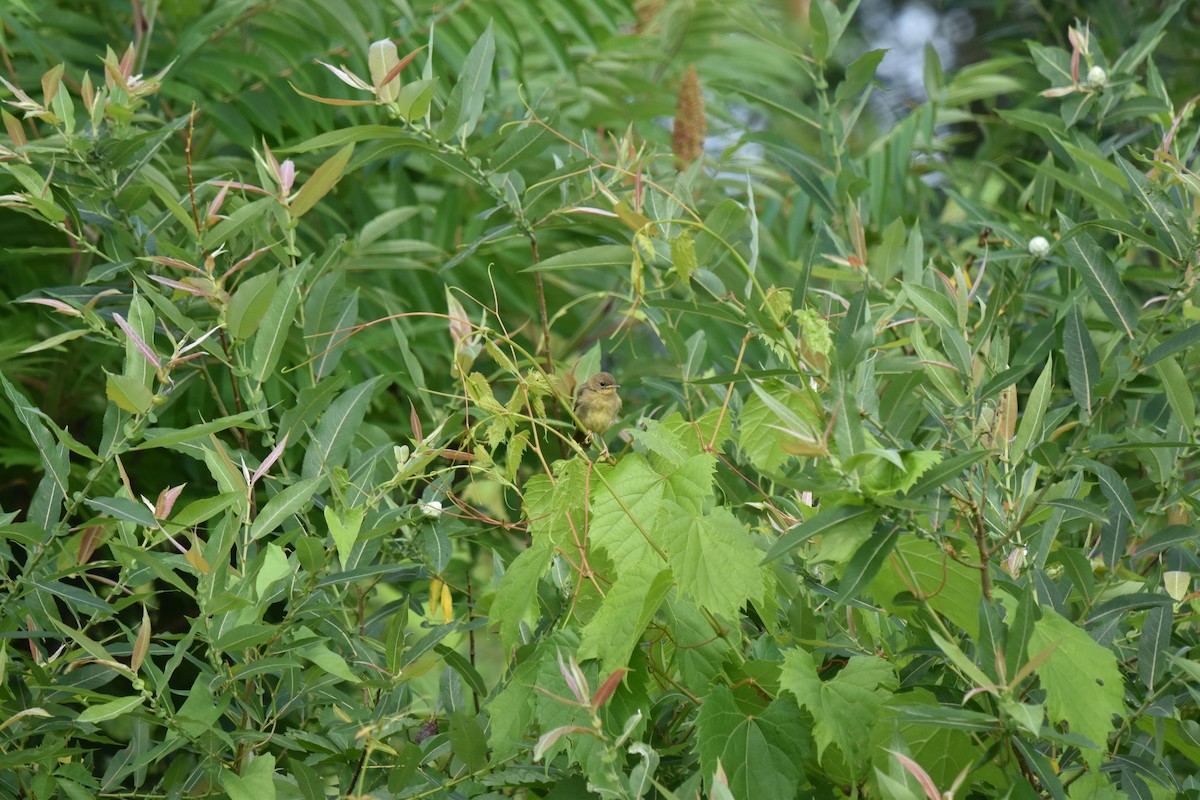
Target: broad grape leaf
pixel 713 557
pixel 629 605
pixel 1082 683
pixel 845 708
pixel 761 754
pixel 625 511
pixel 518 587
pixel 951 588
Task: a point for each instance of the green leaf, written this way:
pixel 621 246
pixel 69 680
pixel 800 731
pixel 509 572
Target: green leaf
pixel 943 472
pixel 1181 340
pixel 858 74
pixel 129 393
pixel 328 661
pixel 866 563
pixel 467 742
pixel 414 101
pixel 123 508
pixel 45 508
pixel 844 708
pixel 200 711
pixel 276 323
pixel 605 256
pixel 883 477
pixel 827 521
pixel 321 183
pixel 919 567
pixel 959 659
pixel 250 303
pixel 288 502
pixel 344 529
pixel 168 437
pixel 1029 431
pixel 775 421
pixel 1100 277
pixel 1083 685
pixel 624 511
pixel 1179 392
pixel 713 558
pixel 1114 488
pixel 465 104
pixel 110 710
pixel 761 752
pixel 257 781
pixel 818 27
pixel 628 606
pixel 275 567
pixel 517 591
pixel 1083 362
pixel 339 425
pixel 329 316
pixel 934 305
pixel 943 375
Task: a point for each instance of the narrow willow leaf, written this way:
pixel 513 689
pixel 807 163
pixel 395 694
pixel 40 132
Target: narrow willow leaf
pixel 344 528
pixel 827 521
pixel 110 710
pixel 128 393
pixel 934 305
pixel 249 303
pixel 329 316
pixel 1153 646
pixel 167 437
pixel 256 782
pixel 123 508
pixel 1179 392
pixel 959 659
pixel 1174 343
pixel 1101 279
pixel 283 505
pixel 1083 362
pixel 321 183
pixel 819 30
pixel 866 563
pixel 467 741
pixel 1114 540
pixel 1168 537
pixel 338 426
pixel 1114 488
pixel 1029 431
pixel 382 58
pixel 45 508
pixel 951 468
pixel 605 256
pixel 943 376
pixel 465 104
pixel 859 73
pixel 278 321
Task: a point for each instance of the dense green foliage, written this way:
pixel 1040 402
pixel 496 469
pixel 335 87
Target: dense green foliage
pixel 903 495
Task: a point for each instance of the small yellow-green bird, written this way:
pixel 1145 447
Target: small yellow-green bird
pixel 597 404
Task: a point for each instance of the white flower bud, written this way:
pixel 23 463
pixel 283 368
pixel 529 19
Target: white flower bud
pixel 1097 77
pixel 430 508
pixel 1039 247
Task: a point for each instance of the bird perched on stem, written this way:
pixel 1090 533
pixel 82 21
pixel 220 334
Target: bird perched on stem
pixel 597 405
